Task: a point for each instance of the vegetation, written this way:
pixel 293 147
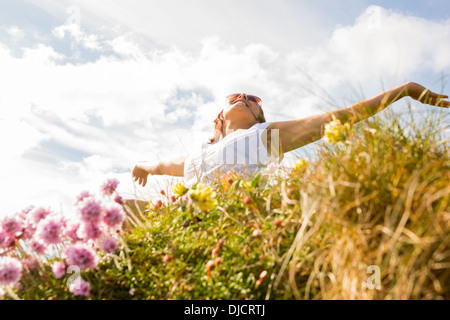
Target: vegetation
pixel 378 196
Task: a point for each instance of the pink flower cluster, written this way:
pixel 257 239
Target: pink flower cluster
pixel 59 269
pixel 82 256
pixel 10 271
pixel 80 287
pixel 93 229
pixel 109 187
pixel 96 220
pixel 49 229
pixel 109 245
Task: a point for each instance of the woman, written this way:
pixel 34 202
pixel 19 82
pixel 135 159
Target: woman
pixel 245 142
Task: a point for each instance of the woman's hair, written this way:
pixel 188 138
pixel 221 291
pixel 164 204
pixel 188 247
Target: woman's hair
pixel 218 125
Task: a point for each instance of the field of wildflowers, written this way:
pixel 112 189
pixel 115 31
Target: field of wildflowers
pixel 377 199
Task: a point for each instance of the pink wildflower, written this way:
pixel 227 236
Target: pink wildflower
pixel 91 210
pixel 59 269
pixel 27 209
pixel 2 237
pixel 277 222
pixel 81 256
pixel 11 226
pixel 37 246
pixel 89 231
pixel 80 287
pixel 263 275
pixel 83 195
pixel 158 204
pixel 167 258
pixel 109 245
pixel 9 241
pixel 10 271
pixel 37 215
pixel 210 265
pixel 114 216
pixel 24 212
pixel 71 230
pixel 29 230
pixel 49 229
pixel 110 186
pixel 119 200
pixel 30 263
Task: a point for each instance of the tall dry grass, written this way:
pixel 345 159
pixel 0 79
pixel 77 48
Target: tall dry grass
pixel 380 198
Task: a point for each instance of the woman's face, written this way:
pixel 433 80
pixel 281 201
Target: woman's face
pixel 243 109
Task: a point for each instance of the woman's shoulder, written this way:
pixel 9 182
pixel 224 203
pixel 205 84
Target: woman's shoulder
pixel 261 126
pixel 258 128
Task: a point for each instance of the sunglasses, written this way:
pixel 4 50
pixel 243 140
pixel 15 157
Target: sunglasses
pixel 249 97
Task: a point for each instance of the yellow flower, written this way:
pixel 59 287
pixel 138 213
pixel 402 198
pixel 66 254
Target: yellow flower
pixel 300 167
pixel 246 184
pixel 180 189
pixel 335 131
pixel 204 197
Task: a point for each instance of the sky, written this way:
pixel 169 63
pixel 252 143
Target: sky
pixel 89 88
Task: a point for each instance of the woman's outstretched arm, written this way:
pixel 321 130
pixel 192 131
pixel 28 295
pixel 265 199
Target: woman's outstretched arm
pixel 297 133
pixel 173 167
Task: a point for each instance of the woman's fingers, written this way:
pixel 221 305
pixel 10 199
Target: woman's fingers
pixel 438 100
pixel 435 99
pixel 443 103
pixel 139 175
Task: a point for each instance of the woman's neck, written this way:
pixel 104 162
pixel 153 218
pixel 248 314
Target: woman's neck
pixel 230 127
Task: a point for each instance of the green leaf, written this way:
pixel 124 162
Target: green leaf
pixel 256 180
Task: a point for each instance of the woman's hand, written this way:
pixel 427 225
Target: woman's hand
pixel 422 94
pixel 141 172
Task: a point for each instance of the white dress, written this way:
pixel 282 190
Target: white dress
pixel 242 151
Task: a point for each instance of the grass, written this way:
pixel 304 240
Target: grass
pixel 379 197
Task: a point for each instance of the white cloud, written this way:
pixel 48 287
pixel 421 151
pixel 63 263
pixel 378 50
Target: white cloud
pixel 74 31
pixel 285 24
pixel 16 33
pixel 381 45
pixel 17 136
